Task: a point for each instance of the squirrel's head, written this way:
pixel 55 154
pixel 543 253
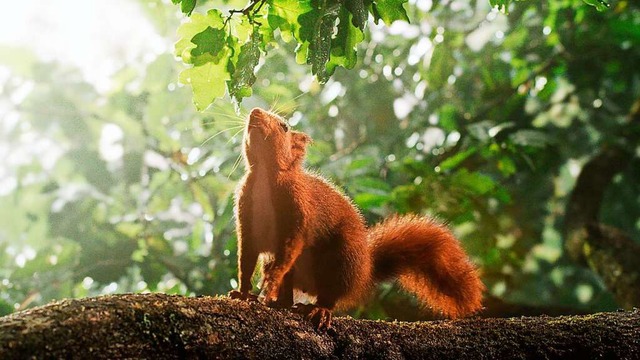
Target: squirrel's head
pixel 269 141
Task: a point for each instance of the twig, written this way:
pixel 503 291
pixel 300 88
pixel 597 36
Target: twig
pixel 248 9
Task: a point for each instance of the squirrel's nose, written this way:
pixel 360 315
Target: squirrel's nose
pixel 256 112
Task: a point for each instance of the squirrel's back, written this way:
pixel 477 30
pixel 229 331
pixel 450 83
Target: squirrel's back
pixel 330 205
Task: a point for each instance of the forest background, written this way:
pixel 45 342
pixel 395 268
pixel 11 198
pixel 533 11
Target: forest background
pixel 520 130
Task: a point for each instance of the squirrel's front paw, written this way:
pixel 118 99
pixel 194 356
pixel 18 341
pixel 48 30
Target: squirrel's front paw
pixel 319 316
pixel 235 294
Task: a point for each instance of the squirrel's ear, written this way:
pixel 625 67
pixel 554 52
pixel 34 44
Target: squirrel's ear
pixel 300 136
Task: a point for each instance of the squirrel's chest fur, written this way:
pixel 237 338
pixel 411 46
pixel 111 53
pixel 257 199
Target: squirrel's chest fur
pixel 262 204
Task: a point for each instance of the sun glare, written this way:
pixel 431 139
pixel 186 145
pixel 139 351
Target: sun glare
pixel 98 36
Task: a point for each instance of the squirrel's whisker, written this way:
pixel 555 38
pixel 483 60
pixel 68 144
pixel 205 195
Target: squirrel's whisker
pixel 221 132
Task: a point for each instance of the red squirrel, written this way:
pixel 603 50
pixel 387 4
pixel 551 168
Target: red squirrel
pixel 316 240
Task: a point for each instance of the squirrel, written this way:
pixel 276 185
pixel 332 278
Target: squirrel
pixel 316 241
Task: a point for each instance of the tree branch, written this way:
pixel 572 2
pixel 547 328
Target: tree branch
pixel 586 198
pixel 164 327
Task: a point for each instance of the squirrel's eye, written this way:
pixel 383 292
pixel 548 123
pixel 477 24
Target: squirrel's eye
pixel 284 127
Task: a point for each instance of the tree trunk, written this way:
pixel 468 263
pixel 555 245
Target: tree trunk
pixel 158 326
pixel 608 251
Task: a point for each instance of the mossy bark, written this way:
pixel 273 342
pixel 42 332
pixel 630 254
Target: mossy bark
pixel 158 326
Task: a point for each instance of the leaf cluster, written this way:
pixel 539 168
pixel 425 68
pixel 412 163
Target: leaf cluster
pixel 224 51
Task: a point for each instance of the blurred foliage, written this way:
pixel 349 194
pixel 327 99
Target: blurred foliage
pixel 480 118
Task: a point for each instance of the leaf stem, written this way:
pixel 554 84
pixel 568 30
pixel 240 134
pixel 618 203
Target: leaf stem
pixel 248 11
pixel 248 8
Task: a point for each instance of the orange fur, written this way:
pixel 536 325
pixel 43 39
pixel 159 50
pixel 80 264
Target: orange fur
pixel 318 242
pixel 428 261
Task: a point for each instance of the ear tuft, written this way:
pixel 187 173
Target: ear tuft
pixel 301 137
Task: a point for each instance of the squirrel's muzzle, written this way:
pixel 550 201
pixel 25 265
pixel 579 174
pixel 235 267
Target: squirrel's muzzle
pixel 257 115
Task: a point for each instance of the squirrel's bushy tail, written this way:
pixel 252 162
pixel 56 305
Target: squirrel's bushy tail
pixel 428 261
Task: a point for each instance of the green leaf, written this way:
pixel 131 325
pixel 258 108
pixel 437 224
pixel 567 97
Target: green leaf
pixel 344 45
pixel 243 76
pixel 600 5
pixel 197 24
pixel 302 51
pixel 208 82
pixel 317 29
pixel 283 15
pixel 456 159
pixel 390 11
pixel 358 12
pixel 210 41
pixel 187 6
pixel 205 44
